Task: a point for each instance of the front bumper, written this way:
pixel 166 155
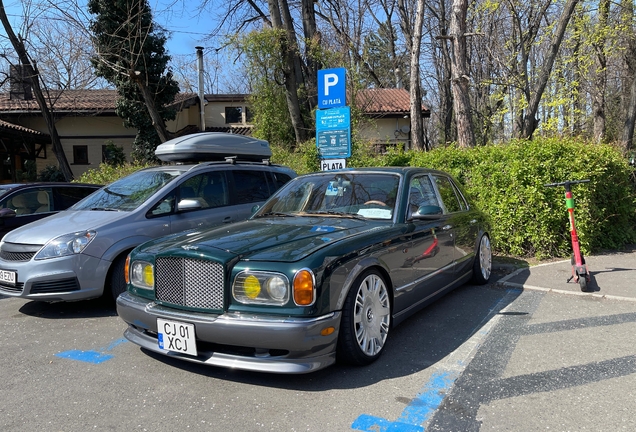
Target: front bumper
pixel 74 277
pixel 238 340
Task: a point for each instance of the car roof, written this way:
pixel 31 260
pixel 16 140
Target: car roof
pixel 19 186
pixel 226 163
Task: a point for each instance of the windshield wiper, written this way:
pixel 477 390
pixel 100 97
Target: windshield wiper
pixel 333 213
pixel 104 209
pixel 278 214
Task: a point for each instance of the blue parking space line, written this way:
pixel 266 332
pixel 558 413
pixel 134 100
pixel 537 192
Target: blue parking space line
pixel 91 356
pixel 425 403
pixel 421 408
pixel 85 356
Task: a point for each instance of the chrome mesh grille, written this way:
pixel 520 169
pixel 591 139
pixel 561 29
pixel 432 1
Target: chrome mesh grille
pixel 189 282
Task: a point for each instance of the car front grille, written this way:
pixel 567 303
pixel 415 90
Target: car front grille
pixel 58 286
pixel 16 256
pixel 17 288
pixel 189 282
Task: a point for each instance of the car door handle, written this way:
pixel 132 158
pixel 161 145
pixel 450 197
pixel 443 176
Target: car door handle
pixel 447 227
pixel 227 219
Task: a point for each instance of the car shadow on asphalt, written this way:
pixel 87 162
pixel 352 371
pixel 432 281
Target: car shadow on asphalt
pixel 415 345
pixel 69 310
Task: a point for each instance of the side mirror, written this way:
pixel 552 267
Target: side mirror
pixel 7 213
pixel 188 204
pixel 427 212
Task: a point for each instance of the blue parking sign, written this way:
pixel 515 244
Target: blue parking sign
pixel 332 90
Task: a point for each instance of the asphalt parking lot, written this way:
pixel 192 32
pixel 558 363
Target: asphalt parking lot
pixel 528 352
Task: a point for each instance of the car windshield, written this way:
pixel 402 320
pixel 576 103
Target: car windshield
pixel 368 195
pixel 127 193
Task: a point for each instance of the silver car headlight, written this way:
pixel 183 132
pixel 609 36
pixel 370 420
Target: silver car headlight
pixel 257 287
pixel 68 244
pixel 142 274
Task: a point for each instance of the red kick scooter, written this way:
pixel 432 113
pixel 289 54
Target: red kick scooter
pixel 580 272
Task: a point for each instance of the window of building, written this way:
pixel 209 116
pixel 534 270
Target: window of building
pixel 249 115
pixel 233 115
pixel 80 155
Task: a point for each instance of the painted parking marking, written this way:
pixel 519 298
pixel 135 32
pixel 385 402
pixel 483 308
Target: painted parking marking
pixel 417 413
pixel 100 355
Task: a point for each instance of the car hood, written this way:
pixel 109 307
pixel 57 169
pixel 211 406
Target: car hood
pixel 267 239
pixel 64 222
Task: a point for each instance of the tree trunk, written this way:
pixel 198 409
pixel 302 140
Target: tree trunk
pixel 39 95
pixel 601 73
pixel 459 74
pixel 415 90
pixel 157 121
pixel 289 53
pixel 530 121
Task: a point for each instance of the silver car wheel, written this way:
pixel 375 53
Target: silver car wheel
pixel 485 257
pixel 372 315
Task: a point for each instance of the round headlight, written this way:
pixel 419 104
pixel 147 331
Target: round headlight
pixel 252 286
pixel 277 288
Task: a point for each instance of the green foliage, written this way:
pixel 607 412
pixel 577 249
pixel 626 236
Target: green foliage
pixel 107 173
pixel 52 173
pixel 114 155
pixel 132 55
pixel 304 159
pixel 529 219
pixel 29 173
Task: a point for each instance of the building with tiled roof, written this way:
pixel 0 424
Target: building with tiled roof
pixel 86 122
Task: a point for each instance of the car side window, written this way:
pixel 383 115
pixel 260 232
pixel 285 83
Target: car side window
pixel 67 196
pixel 250 186
pixel 421 193
pixel 31 202
pixel 209 189
pixel 280 179
pixel 164 206
pixel 451 197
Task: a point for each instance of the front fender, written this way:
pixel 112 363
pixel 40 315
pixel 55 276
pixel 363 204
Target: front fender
pixel 342 279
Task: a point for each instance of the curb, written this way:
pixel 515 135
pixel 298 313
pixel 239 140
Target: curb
pixel 504 283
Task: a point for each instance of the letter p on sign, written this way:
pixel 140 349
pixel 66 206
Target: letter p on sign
pixel 331 80
pixel 332 90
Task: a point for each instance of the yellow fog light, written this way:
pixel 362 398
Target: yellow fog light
pixel 142 274
pixel 304 288
pixel 252 287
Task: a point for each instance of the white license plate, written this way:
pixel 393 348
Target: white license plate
pixel 176 336
pixel 7 276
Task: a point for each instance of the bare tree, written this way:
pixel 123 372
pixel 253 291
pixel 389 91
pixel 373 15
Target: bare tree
pixel 415 89
pixel 460 80
pixel 34 76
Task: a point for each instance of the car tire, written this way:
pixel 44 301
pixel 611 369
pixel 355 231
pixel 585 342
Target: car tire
pixel 482 266
pixel 366 320
pixel 116 278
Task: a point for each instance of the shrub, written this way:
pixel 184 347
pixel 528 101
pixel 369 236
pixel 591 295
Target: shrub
pixel 529 219
pixel 51 173
pixel 106 173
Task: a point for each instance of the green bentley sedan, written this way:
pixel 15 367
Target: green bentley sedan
pixel 321 273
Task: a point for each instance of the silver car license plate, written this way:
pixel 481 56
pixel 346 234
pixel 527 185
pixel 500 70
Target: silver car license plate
pixel 8 276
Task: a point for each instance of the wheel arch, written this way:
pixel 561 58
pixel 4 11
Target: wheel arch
pixel 352 274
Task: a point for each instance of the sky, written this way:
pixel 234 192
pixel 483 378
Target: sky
pixel 187 29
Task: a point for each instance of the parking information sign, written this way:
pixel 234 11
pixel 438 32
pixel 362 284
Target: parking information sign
pixel 333 133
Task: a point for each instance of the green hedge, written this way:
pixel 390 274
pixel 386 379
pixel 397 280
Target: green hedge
pixel 529 219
